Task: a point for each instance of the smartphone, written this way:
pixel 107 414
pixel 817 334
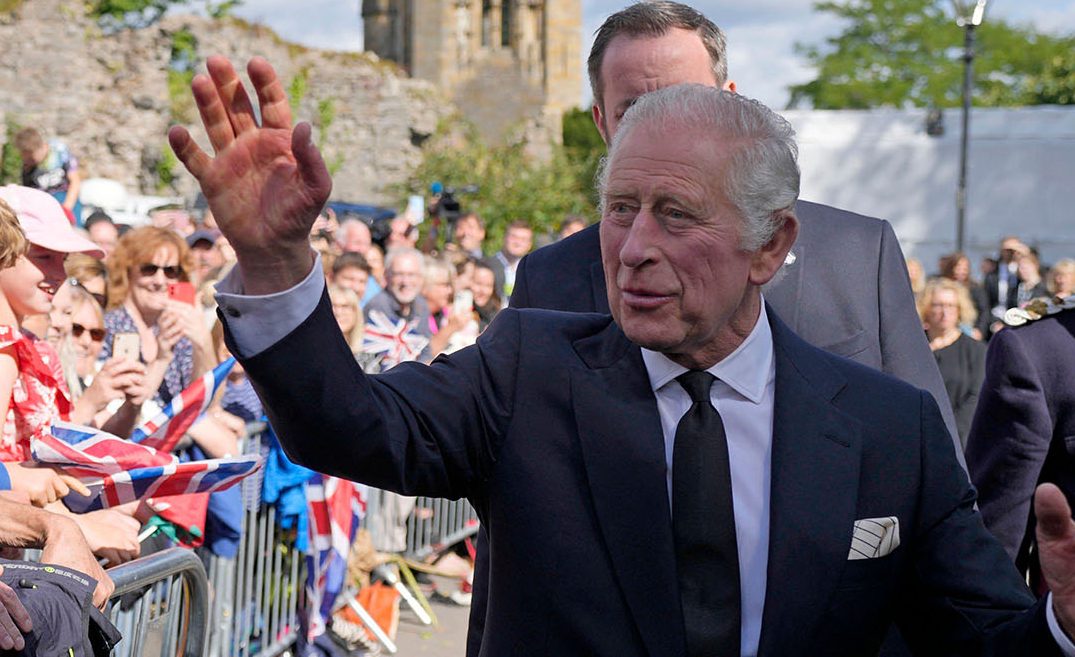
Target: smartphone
pixel 182 292
pixel 464 302
pixel 127 345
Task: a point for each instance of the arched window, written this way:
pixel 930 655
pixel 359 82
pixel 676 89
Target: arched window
pixel 487 18
pixel 507 12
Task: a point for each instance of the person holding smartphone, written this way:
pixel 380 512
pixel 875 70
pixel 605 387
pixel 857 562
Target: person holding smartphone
pixel 148 299
pixel 451 314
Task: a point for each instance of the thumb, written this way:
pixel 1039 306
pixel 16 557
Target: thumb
pixel 1053 514
pixel 312 167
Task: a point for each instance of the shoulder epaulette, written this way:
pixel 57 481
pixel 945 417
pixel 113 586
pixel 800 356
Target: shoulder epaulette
pixel 1035 309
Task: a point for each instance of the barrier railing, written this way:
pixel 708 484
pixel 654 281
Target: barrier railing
pixel 181 602
pixel 256 593
pixel 161 605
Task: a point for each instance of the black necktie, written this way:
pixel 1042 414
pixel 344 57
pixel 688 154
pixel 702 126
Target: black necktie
pixel 703 524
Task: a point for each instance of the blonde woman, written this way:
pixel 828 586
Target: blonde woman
pixel 348 314
pixel 1062 278
pixel 944 305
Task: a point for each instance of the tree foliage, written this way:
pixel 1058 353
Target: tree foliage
pixel 584 147
pixel 909 53
pixel 118 14
pixel 512 184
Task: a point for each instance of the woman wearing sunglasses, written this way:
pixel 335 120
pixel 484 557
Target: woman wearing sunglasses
pixel 175 343
pixel 94 384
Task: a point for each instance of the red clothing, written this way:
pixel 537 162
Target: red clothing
pixel 39 397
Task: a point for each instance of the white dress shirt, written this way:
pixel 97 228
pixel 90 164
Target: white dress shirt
pixel 743 395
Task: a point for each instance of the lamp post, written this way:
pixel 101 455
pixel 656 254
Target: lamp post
pixel 968 16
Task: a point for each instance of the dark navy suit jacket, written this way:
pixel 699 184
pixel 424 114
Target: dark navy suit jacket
pixel 549 427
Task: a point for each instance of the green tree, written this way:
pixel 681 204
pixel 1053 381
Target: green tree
pixel 512 183
pixel 583 147
pixel 184 56
pixel 10 159
pixel 901 53
pixel 118 14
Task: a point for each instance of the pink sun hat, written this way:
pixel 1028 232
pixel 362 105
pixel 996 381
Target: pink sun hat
pixel 43 220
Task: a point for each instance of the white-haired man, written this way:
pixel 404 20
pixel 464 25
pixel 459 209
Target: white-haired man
pixel 707 482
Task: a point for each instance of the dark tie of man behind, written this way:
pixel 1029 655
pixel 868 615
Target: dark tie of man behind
pixel 703 524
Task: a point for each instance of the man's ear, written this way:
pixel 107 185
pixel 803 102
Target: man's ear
pixel 768 260
pixel 730 86
pixel 599 121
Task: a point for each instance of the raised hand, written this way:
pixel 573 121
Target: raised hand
pixel 1056 546
pixel 266 184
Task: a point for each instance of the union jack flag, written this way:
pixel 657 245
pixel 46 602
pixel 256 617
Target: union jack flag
pixel 161 481
pixel 164 431
pixel 395 342
pixel 88 452
pixel 118 471
pixel 336 507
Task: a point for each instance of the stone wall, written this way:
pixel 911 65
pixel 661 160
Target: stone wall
pixel 107 96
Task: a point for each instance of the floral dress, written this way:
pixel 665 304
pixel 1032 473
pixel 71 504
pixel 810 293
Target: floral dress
pixel 39 397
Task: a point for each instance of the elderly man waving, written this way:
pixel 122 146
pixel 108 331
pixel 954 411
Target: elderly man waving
pixel 707 482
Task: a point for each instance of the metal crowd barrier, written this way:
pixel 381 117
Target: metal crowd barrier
pixel 161 605
pixel 417 526
pixel 196 604
pixel 256 593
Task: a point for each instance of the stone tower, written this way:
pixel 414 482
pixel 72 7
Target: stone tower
pixel 507 64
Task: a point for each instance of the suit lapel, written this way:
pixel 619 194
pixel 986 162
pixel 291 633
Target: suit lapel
pixel 598 289
pixel 623 450
pixel 815 472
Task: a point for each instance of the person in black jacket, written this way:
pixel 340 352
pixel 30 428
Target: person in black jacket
pixel 945 306
pixel 1023 433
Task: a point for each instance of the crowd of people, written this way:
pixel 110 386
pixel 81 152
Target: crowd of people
pixel 961 313
pixel 103 324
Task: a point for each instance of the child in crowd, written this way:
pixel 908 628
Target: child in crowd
pixel 33 393
pixel 50 167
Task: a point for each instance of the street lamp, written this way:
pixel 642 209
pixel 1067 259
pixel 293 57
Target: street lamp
pixel 968 16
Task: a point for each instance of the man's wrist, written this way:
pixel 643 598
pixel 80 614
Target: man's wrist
pixel 1066 625
pixel 276 270
pixel 56 528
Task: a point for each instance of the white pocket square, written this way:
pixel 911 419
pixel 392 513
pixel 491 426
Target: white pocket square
pixel 874 537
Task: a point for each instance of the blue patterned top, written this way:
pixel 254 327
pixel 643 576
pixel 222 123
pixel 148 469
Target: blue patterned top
pixel 180 372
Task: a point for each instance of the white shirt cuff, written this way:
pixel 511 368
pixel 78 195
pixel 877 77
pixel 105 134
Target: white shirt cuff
pixel 257 322
pixel 1062 640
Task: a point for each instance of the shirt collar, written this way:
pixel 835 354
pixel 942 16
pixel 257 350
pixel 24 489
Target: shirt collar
pixel 746 370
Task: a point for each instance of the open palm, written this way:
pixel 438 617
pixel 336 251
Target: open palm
pixel 266 183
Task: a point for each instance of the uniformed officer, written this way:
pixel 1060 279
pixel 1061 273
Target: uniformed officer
pixel 1023 432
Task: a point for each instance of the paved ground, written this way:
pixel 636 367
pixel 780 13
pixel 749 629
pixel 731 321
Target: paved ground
pixel 447 639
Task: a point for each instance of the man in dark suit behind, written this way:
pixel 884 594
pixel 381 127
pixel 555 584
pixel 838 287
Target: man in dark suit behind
pixel 707 482
pixel 1024 430
pixel 845 289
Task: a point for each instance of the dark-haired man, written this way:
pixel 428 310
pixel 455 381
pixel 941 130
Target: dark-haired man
pixel 845 286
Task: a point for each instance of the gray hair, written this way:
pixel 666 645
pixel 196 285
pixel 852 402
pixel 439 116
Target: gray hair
pixel 397 252
pixel 655 19
pixel 762 179
pixel 344 229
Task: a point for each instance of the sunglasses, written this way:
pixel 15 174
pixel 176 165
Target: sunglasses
pixel 97 334
pixel 171 271
pixel 101 299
